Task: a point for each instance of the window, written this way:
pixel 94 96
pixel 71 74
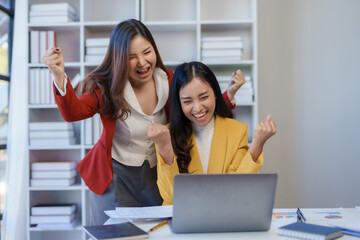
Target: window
pixel 6 30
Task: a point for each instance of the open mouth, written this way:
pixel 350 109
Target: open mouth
pixel 200 115
pixel 143 72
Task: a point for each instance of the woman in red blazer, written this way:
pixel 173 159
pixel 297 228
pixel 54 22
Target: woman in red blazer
pixel 129 90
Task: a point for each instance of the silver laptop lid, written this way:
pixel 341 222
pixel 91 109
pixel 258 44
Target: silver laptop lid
pixel 223 202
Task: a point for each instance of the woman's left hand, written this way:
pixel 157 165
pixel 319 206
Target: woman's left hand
pixel 160 134
pixel 263 131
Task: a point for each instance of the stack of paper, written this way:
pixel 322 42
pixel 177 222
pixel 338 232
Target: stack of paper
pixel 95 49
pixel 53 216
pixel 52 12
pixel 51 133
pixel 53 174
pixel 141 213
pixel 220 49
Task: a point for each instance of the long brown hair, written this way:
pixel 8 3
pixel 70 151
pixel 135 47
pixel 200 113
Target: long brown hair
pixel 111 75
pixel 180 126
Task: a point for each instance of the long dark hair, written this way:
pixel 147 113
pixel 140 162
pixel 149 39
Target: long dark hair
pixel 180 125
pixel 111 75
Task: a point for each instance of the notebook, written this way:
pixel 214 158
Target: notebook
pixel 121 231
pixel 310 231
pixel 205 203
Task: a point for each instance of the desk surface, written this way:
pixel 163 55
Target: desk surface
pixel 166 233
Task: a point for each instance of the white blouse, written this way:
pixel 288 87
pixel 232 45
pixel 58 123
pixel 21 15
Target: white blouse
pixel 203 138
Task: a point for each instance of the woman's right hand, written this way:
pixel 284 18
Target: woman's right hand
pixel 54 60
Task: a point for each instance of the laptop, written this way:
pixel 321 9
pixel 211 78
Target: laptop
pixel 204 203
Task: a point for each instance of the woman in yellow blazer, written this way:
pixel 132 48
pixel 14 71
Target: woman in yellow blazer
pixel 203 137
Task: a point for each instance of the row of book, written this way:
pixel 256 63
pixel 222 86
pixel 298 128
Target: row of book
pixel 95 49
pixel 51 134
pixel 53 216
pixel 215 49
pixel 40 41
pixel 93 129
pixel 40 86
pixel 53 174
pixel 52 13
pixel 244 94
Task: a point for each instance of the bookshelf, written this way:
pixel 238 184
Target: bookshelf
pixel 178 28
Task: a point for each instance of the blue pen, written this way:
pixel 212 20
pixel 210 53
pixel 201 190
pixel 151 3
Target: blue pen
pixel 300 216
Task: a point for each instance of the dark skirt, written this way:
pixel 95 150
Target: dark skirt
pixel 130 187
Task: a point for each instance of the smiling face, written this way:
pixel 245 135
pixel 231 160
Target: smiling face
pixel 142 61
pixel 197 101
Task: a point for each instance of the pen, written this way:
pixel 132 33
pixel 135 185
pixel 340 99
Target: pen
pixel 300 216
pixel 163 223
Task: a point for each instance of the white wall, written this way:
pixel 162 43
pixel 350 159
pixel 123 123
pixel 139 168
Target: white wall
pixel 309 80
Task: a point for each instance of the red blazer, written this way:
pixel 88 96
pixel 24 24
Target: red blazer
pixel 96 167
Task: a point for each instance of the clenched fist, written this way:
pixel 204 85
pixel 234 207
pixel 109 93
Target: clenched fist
pixel 237 80
pixel 160 134
pixel 263 131
pixel 54 60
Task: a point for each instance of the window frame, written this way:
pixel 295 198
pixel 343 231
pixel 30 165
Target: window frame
pixel 10 10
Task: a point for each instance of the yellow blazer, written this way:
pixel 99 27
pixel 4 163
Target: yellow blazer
pixel 229 154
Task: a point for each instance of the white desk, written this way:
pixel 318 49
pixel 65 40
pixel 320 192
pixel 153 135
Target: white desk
pixel 165 232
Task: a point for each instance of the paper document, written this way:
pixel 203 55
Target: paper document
pixel 141 213
pixel 346 218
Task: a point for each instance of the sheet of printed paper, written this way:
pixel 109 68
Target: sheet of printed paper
pixel 138 213
pixel 347 218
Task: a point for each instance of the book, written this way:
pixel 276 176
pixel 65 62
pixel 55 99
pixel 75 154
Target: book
pixel 51 39
pixel 37 85
pixel 34 219
pixel 222 45
pixel 243 99
pixel 52 141
pixel 97 42
pixel 97 127
pixel 88 131
pixel 50 125
pixel 32 90
pixel 221 59
pixel 96 50
pixel 58 182
pixel 43 79
pixel 56 226
pixel 94 58
pixel 53 209
pixel 34 46
pixel 51 134
pixel 42 44
pixel 52 19
pixel 50 13
pixel 221 39
pixel 221 52
pixel 309 231
pixel 53 7
pixel 125 230
pixel 76 80
pixel 53 174
pixel 55 166
pixel 245 91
